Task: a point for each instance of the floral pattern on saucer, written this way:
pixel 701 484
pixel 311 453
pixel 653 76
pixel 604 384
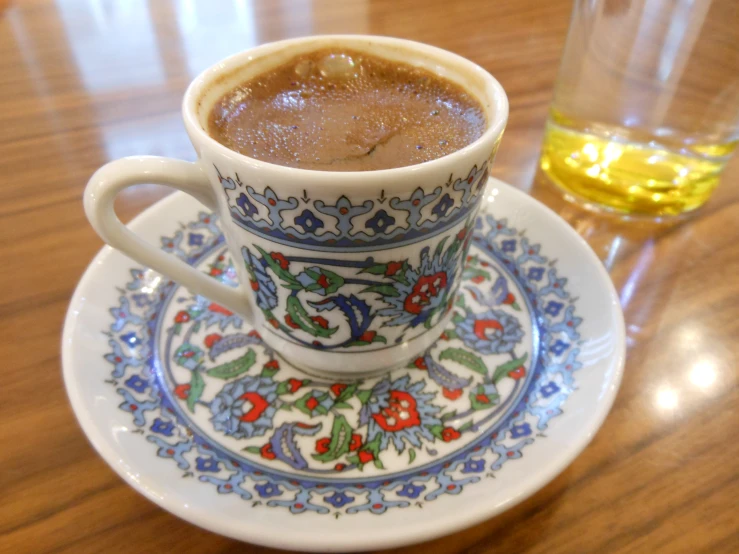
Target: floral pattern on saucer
pixel 213 398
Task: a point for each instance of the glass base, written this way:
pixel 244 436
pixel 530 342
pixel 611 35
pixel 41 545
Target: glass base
pixel 633 179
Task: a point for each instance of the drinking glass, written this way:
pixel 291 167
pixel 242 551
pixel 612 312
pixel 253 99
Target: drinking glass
pixel 646 105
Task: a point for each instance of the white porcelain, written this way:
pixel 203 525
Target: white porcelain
pixel 190 407
pixel 334 232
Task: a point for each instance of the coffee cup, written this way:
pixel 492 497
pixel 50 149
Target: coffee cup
pixel 342 273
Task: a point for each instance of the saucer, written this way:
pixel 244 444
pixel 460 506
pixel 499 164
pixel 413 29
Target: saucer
pixel 189 406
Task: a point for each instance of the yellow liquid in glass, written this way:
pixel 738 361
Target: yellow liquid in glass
pixel 631 178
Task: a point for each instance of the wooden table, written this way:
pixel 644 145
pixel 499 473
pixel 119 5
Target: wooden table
pixel 83 82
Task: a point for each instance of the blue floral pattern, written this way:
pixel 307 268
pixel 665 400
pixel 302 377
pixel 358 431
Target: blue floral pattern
pixel 315 223
pixel 197 384
pixel 265 290
pixel 491 332
pixel 245 408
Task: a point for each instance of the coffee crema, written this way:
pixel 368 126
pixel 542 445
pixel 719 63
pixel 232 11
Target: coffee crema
pixel 343 110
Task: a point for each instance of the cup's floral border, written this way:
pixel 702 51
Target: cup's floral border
pixel 132 351
pixel 352 222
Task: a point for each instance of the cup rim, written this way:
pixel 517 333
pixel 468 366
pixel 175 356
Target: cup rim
pixel 498 101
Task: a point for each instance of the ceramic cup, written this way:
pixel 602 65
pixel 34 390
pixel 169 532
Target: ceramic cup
pixel 346 273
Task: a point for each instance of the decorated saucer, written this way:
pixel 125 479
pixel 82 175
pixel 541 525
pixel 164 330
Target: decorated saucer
pixel 192 409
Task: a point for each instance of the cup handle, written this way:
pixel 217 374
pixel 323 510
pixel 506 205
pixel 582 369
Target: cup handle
pixel 112 178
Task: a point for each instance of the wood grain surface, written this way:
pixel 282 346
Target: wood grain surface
pixel 84 82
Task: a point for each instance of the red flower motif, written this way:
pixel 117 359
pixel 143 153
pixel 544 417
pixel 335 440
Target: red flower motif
pixel 510 299
pixel 367 336
pixel 355 443
pixel 393 268
pixel 451 394
pixel 338 388
pixel 427 287
pixel 188 354
pixel 294 384
pixel 290 322
pixel 274 323
pixel 478 279
pixel 322 445
pixel 182 391
pixel 312 403
pixel 420 363
pixel 258 404
pixel 219 309
pixel 400 412
pixel 211 339
pixel 449 434
pixel 482 399
pixel 462 233
pixel 340 467
pixel 517 373
pixel 272 364
pixel 182 317
pixel 444 336
pixel 366 457
pixel 267 452
pixel 254 285
pixel 280 259
pixel 323 281
pixel 215 271
pixel 254 333
pixel 320 321
pixel 482 325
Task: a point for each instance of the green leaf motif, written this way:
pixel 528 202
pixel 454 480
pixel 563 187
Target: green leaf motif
pixel 347 393
pixel 451 334
pixel 364 395
pixel 504 369
pixel 197 385
pixel 252 449
pixel 283 274
pixel 384 290
pixel 302 319
pixel 235 367
pixel 470 273
pixel 302 404
pixel 481 401
pixel 373 446
pixel 335 281
pixel 268 371
pixel 411 455
pixel 466 426
pixel 436 430
pixel 377 269
pixel 466 358
pixel 341 438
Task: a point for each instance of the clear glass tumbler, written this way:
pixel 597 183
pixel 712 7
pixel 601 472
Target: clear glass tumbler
pixel 646 106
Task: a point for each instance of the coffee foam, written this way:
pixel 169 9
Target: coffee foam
pixel 344 110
